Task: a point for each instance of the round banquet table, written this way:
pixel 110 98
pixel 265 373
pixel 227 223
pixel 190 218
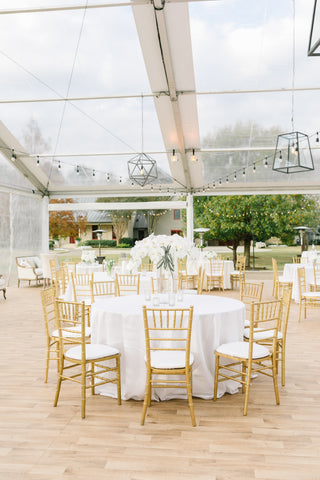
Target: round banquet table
pixel 88 268
pixel 118 322
pixel 290 274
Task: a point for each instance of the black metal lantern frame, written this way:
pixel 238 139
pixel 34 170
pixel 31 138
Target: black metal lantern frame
pixel 314 38
pixel 142 169
pixel 293 153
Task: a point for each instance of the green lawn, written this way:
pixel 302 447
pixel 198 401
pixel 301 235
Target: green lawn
pixel 262 257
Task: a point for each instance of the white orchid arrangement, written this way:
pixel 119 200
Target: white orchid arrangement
pixel 152 247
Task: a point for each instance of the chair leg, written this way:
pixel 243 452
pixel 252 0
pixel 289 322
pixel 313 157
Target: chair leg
pixel 189 391
pixel 146 398
pixel 275 383
pixel 47 362
pixel 83 391
pixel 59 383
pixel 118 380
pixel 216 375
pixel 247 391
pixel 283 364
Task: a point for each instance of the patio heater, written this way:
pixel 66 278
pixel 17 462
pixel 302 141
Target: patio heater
pixel 302 232
pixel 201 232
pixel 99 235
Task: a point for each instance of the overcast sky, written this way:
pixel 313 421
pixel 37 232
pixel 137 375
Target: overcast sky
pixel 237 45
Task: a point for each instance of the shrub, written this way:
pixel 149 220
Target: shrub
pixel 95 243
pixel 51 244
pixel 123 245
pixel 128 241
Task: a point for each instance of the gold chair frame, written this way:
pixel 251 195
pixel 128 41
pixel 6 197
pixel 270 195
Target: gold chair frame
pixel 128 283
pixel 306 299
pixel 215 277
pixel 83 361
pixel 168 332
pixel 254 358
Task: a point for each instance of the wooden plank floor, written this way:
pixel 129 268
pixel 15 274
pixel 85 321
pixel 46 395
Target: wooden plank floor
pixel 40 442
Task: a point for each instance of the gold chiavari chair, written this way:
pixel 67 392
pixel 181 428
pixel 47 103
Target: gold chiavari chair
pixel 278 281
pixel 51 327
pixel 103 289
pixel 60 283
pixel 306 299
pixel 315 285
pixel 200 282
pixel 81 287
pixel 248 358
pixel 238 275
pixel 128 284
pixel 296 259
pixel 53 269
pixel 83 361
pixel 52 333
pixel 168 337
pixel 215 276
pixel 260 336
pixel 250 292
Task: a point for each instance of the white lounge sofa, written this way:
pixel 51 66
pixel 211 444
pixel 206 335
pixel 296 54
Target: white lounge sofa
pixel 29 269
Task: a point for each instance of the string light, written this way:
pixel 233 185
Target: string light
pixel 254 168
pixel 108 177
pixel 78 170
pixel 13 155
pixel 174 157
pixel 227 179
pixel 266 162
pixel 244 172
pixel 235 176
pixel 93 173
pixel 193 156
pixel 59 165
pixel 317 138
pixel 38 161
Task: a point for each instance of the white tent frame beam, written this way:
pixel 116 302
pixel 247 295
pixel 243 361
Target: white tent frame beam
pixel 165 205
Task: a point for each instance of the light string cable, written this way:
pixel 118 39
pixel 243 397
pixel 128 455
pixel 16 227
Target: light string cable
pixel 68 88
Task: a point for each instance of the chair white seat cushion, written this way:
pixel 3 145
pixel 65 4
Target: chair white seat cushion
pixel 169 359
pixel 260 334
pixel 310 295
pixel 74 332
pixel 38 271
pixel 235 272
pixel 94 351
pixel 241 350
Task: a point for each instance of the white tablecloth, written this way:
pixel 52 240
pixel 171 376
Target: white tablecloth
pixel 310 256
pixel 87 268
pixel 118 322
pixel 290 274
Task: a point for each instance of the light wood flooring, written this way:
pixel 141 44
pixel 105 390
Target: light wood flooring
pixel 40 442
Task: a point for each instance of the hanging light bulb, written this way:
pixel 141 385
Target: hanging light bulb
pixel 235 176
pixel 120 180
pixel 13 155
pixel 174 157
pixel 266 162
pixel 214 185
pixel 244 172
pixel 108 177
pixel 78 170
pixel 93 173
pixel 317 138
pixel 141 170
pixel 220 181
pixel 280 155
pixel 193 156
pixel 38 161
pixel 132 184
pixel 59 165
pixel 227 179
pixel 254 168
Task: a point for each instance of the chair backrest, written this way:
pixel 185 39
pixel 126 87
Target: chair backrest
pixel 53 269
pixel 251 292
pixel 128 283
pixel 167 330
pixel 275 269
pixel 285 298
pixel 81 285
pixel 216 267
pixel 47 300
pixel 201 274
pixel 182 264
pixel 60 283
pixel 266 317
pixel 296 259
pixel 316 274
pixel 101 289
pixel 241 263
pixel 301 281
pixel 71 319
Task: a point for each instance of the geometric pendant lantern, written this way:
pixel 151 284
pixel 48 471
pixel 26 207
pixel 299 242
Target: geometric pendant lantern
pixel 293 153
pixel 142 169
pixel 314 38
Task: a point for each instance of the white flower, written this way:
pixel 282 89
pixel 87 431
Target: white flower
pixel 88 256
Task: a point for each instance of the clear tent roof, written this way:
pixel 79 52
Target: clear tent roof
pixel 86 85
